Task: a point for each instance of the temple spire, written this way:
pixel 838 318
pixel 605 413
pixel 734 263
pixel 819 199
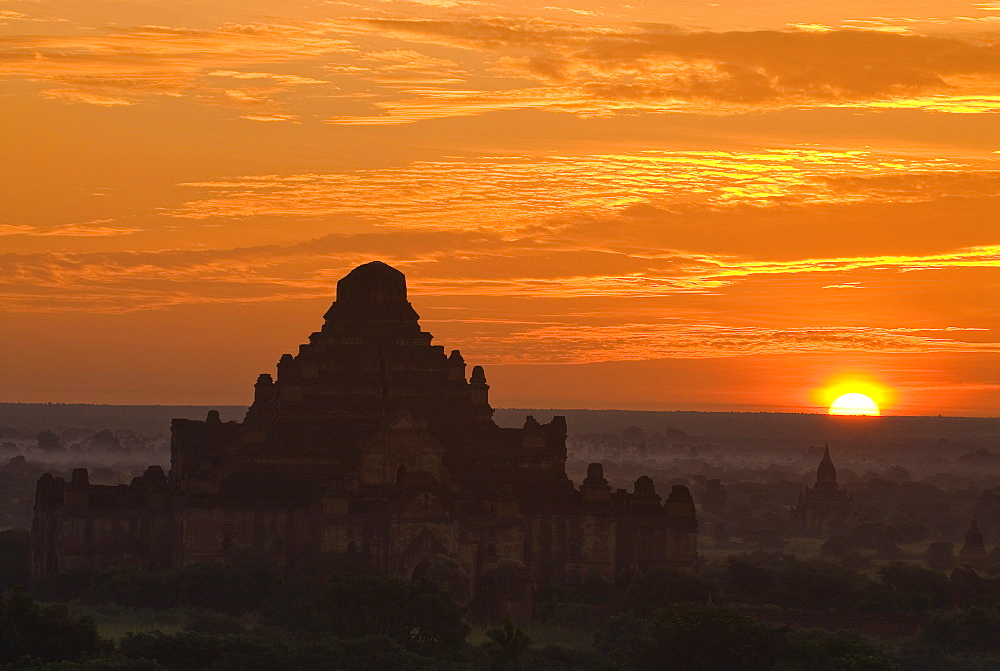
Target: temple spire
pixel 973 553
pixel 974 537
pixel 826 473
pixel 371 303
pixel 374 283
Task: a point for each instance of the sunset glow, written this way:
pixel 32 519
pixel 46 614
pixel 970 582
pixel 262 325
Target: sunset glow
pixel 653 205
pixel 854 404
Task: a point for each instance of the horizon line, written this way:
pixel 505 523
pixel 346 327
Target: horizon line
pixel 814 410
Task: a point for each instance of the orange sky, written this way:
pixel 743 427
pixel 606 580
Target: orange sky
pixel 657 205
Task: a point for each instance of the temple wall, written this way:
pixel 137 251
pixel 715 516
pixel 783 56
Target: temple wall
pixel 563 549
pixel 371 449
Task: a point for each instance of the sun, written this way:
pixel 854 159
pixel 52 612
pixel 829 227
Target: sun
pixel 854 404
pixel 854 393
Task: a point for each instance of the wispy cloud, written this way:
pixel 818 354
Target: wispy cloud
pixel 126 66
pixel 10 16
pixel 590 70
pixel 545 268
pixel 509 193
pixel 408 70
pixel 583 343
pixel 97 228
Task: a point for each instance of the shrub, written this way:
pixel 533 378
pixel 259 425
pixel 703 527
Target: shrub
pixel 415 614
pixel 44 632
pixel 662 587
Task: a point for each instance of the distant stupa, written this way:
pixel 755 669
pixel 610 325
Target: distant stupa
pixel 825 507
pixel 973 552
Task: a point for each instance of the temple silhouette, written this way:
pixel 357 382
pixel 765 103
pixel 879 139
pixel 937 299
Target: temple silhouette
pixel 373 450
pixel 826 507
pixel 973 552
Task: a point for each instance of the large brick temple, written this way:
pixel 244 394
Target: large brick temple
pixel 373 450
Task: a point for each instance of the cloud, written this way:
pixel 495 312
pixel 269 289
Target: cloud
pixel 294 80
pixel 113 67
pixel 583 343
pixel 593 71
pixel 7 15
pixel 269 117
pixel 94 228
pixel 409 70
pixel 407 66
pixel 509 193
pixel 452 263
pixel 602 302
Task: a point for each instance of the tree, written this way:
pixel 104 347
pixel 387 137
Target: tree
pixel 44 632
pixel 415 614
pixel 662 587
pixel 263 649
pixel 872 535
pixel 509 643
pixel 105 440
pixel 910 531
pixel 819 585
pixel 940 555
pixel 700 638
pixel 720 533
pixel 49 442
pixel 689 637
pixel 186 650
pixel 633 434
pixel 835 546
pixel 713 499
pixel 819 650
pixel 15 551
pixel 905 577
pixel 975 629
pixel 244 584
pixel 749 580
pixel 595 588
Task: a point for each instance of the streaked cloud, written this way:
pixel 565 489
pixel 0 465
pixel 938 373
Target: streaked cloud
pixel 845 285
pixel 97 228
pixel 594 71
pixel 583 343
pixel 508 193
pixel 126 281
pixel 9 16
pixel 408 68
pixel 114 67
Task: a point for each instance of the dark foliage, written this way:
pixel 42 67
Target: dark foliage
pixel 107 662
pixel 64 586
pixel 47 633
pixel 236 587
pixel 940 555
pixel 253 651
pixel 15 550
pixel 415 614
pixel 689 637
pixel 836 547
pixel 906 578
pixel 972 630
pixel 49 442
pixel 819 650
pixel 697 637
pixel 662 587
pixel 794 583
pixel 233 588
pixel 507 645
